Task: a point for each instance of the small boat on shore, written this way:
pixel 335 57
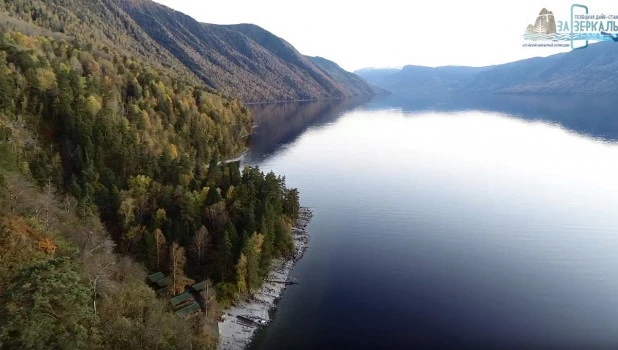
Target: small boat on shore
pixel 286 283
pixel 253 320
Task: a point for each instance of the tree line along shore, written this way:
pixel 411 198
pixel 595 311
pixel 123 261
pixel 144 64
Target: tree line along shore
pixel 111 170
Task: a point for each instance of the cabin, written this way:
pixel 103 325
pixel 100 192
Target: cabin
pixel 160 283
pixel 155 277
pixel 182 300
pixel 200 290
pixel 194 299
pixel 199 287
pixel 185 304
pixel 189 310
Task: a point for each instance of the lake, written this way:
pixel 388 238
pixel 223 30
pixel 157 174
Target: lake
pixel 471 222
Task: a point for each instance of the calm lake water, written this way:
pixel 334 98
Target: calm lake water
pixel 468 223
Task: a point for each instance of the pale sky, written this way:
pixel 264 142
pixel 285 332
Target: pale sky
pixel 391 33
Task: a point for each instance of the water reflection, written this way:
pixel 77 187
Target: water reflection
pixel 596 116
pixel 279 124
pixel 450 230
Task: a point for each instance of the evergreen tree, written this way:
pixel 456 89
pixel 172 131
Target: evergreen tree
pixel 49 307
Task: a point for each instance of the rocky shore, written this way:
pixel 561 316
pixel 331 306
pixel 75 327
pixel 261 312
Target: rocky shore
pixel 235 334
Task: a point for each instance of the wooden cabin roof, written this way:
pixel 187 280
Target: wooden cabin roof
pixel 164 282
pixel 188 310
pixel 156 276
pixel 199 287
pixel 181 298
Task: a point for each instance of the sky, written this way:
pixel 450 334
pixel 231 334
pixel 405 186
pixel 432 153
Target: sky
pixel 394 33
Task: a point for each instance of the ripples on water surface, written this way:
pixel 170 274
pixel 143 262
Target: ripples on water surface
pixel 438 226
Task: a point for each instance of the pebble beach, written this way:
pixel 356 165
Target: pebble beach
pixel 235 334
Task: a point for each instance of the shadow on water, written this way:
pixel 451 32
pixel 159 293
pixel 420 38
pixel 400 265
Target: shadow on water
pixel 596 116
pixel 280 124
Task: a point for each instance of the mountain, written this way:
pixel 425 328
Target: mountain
pixel 243 61
pixel 421 80
pixel 111 170
pixel 357 85
pixel 593 70
pixel 376 76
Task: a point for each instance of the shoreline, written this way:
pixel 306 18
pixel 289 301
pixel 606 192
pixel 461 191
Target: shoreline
pixel 236 336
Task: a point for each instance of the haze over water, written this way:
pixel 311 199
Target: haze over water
pixel 456 224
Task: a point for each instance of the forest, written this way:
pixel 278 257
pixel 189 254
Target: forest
pixel 111 169
pixel 243 61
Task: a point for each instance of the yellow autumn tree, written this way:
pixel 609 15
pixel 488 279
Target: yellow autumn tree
pixel 241 274
pixel 47 78
pixel 93 104
pixel 178 260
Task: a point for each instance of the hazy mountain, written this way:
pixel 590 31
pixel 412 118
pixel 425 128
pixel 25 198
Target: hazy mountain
pixel 243 61
pixel 377 76
pixel 419 79
pixel 357 84
pixel 593 70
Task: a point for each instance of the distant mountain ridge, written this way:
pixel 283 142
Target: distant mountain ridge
pixel 419 79
pixel 358 86
pixel 243 61
pixel 593 70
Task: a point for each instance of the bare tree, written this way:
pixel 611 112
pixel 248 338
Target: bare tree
pixel 177 260
pixel 48 201
pixel 201 242
pixel 160 243
pixel 98 269
pixel 99 259
pixel 14 195
pixel 70 203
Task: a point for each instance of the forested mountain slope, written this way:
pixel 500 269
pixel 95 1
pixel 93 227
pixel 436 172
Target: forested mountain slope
pixel 358 86
pixel 88 132
pixel 243 61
